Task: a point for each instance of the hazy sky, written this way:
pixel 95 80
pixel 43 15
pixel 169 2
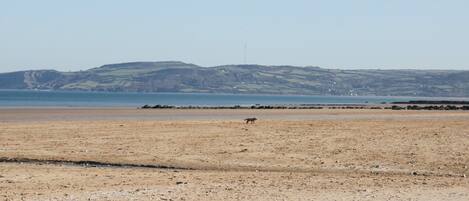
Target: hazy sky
pixel 74 35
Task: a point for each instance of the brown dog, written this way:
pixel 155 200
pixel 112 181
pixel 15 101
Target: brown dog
pixel 252 120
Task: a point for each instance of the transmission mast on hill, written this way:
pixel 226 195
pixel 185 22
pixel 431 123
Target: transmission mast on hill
pixel 245 53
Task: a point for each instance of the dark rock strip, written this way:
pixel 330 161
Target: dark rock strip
pixel 433 102
pixel 318 107
pixel 429 107
pixel 232 107
pixel 96 164
pixel 87 163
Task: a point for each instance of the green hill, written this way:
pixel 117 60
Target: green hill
pixel 175 76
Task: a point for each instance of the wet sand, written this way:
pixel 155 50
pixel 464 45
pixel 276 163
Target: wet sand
pixel 214 155
pixel 80 114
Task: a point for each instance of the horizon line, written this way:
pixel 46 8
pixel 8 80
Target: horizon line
pixel 247 64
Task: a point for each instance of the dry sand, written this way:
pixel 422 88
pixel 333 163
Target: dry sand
pixel 286 155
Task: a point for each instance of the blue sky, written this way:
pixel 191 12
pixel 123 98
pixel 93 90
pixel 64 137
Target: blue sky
pixel 77 35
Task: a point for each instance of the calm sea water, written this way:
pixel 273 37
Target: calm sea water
pixel 20 98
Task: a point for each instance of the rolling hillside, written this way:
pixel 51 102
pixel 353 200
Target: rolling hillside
pixel 182 77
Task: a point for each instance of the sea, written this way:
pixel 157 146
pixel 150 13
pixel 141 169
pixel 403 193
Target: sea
pixel 36 98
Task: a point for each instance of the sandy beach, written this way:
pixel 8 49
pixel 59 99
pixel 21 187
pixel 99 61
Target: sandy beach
pixel 131 154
